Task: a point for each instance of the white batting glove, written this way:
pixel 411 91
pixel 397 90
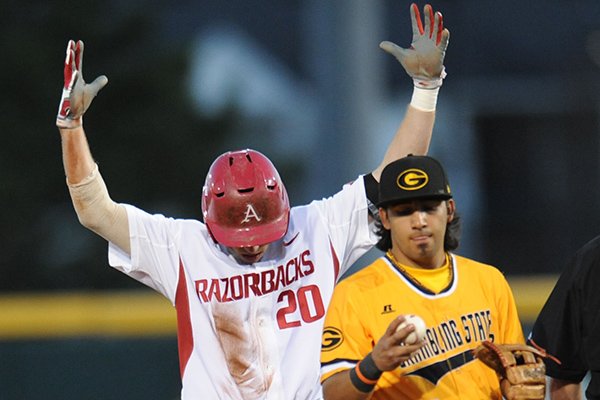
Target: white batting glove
pixel 76 95
pixel 424 60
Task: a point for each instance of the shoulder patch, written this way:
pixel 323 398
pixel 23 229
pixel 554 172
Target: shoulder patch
pixel 332 338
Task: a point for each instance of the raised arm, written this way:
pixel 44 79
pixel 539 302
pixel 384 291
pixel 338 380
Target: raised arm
pixel 95 210
pixel 424 63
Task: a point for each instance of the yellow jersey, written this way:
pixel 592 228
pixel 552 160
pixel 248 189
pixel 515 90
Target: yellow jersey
pixel 476 304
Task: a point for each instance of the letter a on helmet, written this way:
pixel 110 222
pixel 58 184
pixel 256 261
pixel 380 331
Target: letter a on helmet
pixel 244 201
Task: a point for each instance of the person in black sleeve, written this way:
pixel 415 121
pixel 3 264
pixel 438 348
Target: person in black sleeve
pixel 569 326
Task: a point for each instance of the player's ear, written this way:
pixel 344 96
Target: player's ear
pixel 383 216
pixel 451 209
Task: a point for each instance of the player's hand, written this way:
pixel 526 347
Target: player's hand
pixel 76 95
pixel 424 60
pixel 390 351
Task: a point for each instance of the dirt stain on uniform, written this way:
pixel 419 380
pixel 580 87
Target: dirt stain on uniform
pixel 242 349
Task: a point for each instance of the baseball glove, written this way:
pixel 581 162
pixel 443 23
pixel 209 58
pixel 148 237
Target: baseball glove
pixel 520 367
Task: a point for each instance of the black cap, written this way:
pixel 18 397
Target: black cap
pixel 413 177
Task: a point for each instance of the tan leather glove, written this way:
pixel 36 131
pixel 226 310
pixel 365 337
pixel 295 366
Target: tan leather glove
pixel 519 367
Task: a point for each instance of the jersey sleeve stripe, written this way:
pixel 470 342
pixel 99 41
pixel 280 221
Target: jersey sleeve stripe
pixel 185 339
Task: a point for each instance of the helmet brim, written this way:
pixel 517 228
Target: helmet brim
pixel 257 235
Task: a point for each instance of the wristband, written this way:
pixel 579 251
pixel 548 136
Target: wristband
pixel 424 99
pixel 358 383
pixel 365 374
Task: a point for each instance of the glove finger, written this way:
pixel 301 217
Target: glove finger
pixel 68 70
pixel 392 49
pixel 388 46
pixel 438 27
pixel 79 57
pixel 98 84
pixel 70 47
pixel 73 71
pixel 443 42
pixel 429 20
pixel 415 18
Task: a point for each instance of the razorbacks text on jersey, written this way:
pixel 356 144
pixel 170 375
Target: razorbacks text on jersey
pixel 250 331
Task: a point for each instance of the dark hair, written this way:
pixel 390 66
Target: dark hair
pixel 451 237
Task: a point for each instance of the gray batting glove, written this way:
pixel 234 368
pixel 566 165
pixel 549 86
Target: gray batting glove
pixel 424 60
pixel 77 95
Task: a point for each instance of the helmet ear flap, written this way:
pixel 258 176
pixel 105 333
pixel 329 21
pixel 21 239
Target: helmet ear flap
pixel 244 201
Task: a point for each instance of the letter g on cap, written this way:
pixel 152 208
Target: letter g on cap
pixel 412 179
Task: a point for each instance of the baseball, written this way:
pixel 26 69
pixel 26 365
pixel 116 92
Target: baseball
pixel 419 333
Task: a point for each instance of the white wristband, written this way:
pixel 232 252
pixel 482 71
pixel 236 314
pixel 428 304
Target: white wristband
pixel 424 99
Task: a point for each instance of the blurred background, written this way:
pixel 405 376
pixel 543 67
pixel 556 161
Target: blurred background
pixel 304 82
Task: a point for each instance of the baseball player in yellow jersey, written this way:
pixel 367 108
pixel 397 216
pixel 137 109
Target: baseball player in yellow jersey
pixel 463 302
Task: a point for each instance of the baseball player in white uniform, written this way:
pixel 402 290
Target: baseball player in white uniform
pixel 251 283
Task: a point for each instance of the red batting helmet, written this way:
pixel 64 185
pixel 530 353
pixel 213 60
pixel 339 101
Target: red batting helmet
pixel 244 202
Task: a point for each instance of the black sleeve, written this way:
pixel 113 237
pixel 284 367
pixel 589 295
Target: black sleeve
pixel 372 192
pixel 566 323
pixel 556 329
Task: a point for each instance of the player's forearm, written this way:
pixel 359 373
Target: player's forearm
pixel 412 137
pixel 564 390
pixel 93 205
pixel 340 387
pixel 77 159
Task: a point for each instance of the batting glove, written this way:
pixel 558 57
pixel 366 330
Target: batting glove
pixel 76 95
pixel 424 60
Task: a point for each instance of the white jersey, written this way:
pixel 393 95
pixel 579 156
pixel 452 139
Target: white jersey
pixel 250 331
